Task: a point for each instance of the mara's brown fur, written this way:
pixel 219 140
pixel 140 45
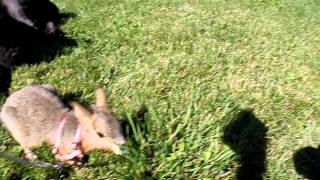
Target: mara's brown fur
pixel 33 115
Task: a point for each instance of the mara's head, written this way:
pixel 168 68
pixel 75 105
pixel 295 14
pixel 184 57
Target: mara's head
pixel 101 130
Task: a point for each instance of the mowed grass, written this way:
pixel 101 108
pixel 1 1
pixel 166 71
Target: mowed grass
pixel 192 66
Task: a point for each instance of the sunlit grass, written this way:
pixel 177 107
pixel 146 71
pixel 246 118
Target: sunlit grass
pixel 193 65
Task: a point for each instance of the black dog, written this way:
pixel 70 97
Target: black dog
pixel 38 14
pixel 26 27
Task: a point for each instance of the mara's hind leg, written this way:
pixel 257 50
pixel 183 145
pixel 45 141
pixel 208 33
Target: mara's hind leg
pixel 29 154
pixel 19 133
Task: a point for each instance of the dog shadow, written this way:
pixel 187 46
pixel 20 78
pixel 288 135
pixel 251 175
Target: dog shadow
pixel 307 162
pixel 246 136
pixel 20 44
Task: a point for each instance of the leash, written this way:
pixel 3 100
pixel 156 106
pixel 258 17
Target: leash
pixel 31 163
pixel 38 164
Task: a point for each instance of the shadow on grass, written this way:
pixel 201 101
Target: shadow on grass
pixel 65 16
pixel 5 80
pixel 21 44
pixel 22 173
pixel 307 162
pixel 69 97
pixel 246 136
pixel 134 126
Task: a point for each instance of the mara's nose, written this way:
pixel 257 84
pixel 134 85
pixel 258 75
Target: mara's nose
pixel 120 141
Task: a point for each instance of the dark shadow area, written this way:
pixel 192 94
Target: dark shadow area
pixel 63 173
pixel 15 176
pixel 65 16
pixel 5 80
pixel 246 136
pixel 134 127
pixel 46 50
pixel 307 162
pixel 22 172
pixel 21 44
pixel 69 97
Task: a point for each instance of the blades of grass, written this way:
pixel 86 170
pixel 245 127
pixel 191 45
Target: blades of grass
pixel 133 127
pixel 187 118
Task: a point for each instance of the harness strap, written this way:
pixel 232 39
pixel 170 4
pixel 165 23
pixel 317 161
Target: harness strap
pixel 77 151
pixel 59 134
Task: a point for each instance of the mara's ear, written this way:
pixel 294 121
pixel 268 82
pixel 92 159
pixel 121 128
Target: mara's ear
pixel 100 98
pixel 81 113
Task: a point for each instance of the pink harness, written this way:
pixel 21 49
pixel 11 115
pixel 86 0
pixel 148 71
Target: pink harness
pixel 77 151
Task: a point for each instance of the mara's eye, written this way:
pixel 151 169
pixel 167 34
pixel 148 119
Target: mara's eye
pixel 100 135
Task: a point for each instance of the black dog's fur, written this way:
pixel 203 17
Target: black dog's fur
pixel 42 15
pixel 26 26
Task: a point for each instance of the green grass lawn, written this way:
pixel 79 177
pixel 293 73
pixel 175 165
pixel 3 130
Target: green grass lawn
pixel 178 72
